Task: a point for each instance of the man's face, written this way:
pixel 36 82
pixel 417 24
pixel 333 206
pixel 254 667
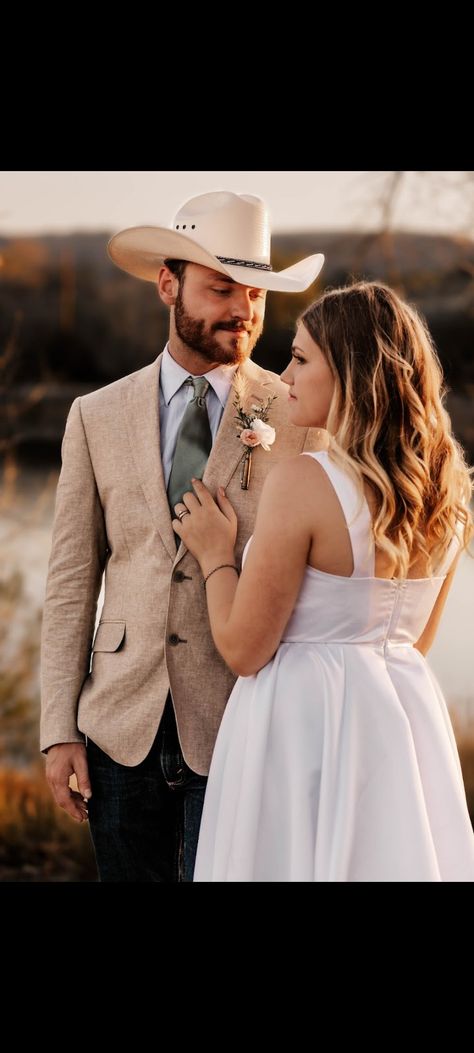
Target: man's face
pixel 216 317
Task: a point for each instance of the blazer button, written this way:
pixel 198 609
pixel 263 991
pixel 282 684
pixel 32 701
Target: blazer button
pixel 180 576
pixel 174 639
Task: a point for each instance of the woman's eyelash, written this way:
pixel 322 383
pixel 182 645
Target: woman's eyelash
pixel 297 358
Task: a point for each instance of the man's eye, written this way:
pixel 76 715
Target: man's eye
pixel 222 292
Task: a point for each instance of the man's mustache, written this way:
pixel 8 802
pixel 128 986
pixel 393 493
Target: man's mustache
pixel 234 327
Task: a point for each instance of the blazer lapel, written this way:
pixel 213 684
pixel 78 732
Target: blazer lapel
pixel 142 414
pixel 227 451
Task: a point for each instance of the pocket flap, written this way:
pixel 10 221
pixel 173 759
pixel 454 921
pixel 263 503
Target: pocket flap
pixel 109 636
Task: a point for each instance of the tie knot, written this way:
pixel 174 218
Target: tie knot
pixel 200 385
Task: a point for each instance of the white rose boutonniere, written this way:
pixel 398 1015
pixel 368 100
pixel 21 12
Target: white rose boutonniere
pixel 253 427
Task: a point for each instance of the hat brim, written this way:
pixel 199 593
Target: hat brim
pixel 141 251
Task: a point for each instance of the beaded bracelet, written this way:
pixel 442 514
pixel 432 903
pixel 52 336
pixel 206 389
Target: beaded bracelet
pixel 220 567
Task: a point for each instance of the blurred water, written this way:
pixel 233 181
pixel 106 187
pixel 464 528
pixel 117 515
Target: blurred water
pixel 25 539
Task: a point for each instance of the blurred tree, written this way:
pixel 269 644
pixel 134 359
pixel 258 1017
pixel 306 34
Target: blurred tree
pixel 383 200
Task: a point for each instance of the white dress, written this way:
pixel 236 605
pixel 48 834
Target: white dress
pixel 337 761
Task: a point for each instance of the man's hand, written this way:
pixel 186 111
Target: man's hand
pixel 63 760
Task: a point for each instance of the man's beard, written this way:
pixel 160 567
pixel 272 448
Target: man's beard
pixel 192 333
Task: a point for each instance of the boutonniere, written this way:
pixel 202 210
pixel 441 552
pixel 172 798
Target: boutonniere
pixel 253 427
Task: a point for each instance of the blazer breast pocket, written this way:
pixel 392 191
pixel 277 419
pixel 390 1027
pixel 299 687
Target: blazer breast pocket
pixel 109 636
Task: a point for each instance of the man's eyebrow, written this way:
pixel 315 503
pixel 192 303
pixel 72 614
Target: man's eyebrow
pixel 218 276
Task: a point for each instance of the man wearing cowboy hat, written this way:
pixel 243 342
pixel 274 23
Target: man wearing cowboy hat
pixel 133 711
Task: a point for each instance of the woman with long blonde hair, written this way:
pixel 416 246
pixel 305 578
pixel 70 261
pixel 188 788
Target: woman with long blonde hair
pixel 336 759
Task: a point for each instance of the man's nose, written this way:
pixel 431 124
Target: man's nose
pixel 242 306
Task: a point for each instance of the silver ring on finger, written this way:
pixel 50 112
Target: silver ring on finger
pixel 185 512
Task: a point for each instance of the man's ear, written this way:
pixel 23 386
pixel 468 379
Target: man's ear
pixel 167 285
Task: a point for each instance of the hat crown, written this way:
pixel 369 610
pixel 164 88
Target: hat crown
pixel 227 225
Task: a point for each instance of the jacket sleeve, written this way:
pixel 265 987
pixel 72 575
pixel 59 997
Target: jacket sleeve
pixel 76 564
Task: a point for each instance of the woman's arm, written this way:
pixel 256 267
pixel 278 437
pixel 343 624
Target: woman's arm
pixel 248 615
pixel 429 632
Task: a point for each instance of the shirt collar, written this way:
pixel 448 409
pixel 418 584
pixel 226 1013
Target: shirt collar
pixel 172 376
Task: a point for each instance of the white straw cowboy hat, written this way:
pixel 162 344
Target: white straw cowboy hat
pixel 221 230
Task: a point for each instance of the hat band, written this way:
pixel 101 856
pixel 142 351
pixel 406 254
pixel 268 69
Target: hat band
pixel 244 263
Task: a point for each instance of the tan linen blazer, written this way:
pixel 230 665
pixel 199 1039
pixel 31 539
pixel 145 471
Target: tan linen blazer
pixel 112 517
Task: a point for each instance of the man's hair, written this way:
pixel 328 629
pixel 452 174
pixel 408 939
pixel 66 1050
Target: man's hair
pixel 177 267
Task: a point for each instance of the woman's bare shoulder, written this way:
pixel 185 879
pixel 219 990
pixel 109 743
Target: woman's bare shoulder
pixel 296 482
pixel 296 471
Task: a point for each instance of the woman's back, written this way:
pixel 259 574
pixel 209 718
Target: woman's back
pixel 344 596
pixel 332 550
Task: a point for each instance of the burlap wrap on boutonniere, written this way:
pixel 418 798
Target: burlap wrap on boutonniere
pixel 254 429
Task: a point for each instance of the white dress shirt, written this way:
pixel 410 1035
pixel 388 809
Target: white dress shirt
pixel 175 395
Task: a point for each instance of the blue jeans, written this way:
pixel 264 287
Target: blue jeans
pixel 144 821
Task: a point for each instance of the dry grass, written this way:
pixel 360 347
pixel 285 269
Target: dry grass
pixel 39 842
pixel 466 754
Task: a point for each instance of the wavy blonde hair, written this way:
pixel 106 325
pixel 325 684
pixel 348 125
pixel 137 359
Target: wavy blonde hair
pixel 387 421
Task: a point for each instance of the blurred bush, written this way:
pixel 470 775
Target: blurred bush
pixel 38 841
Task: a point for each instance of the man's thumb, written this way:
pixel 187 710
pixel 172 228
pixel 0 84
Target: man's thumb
pixel 83 781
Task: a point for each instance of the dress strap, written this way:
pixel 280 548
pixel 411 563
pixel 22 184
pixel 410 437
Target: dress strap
pixel 356 513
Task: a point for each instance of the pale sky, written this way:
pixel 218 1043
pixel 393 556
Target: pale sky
pixel 55 202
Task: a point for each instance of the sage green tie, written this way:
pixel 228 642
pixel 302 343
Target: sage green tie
pixel 193 444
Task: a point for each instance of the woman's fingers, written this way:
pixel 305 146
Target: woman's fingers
pixel 202 501
pixel 181 511
pixel 204 495
pixel 225 505
pixel 189 501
